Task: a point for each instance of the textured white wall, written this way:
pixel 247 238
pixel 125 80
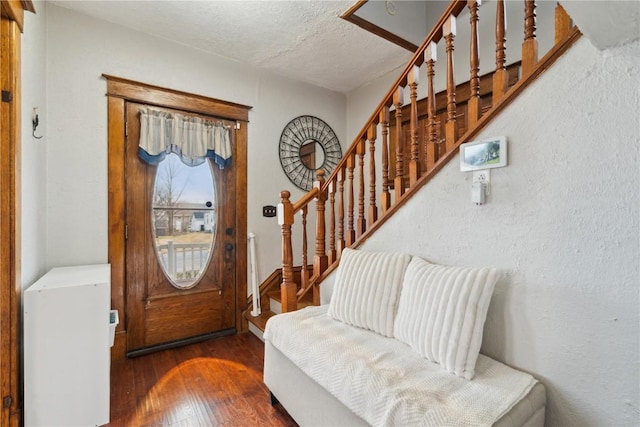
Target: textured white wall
pixel 366 98
pixel 408 19
pixel 562 223
pixel 33 174
pixel 606 23
pixel 79 50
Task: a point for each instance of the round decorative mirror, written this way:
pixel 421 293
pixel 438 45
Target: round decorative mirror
pixel 307 144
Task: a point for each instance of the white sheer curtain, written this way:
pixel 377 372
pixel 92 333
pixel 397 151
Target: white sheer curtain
pixel 192 138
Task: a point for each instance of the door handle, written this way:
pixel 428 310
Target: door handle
pixel 228 252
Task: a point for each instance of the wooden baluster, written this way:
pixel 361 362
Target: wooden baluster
pixel 385 197
pixel 351 232
pixel 414 163
pixel 341 242
pixel 320 259
pixel 398 101
pixel 332 222
pixel 562 24
pixel 362 222
pixel 288 287
pixel 451 126
pixel 430 55
pixel 500 77
pixel 373 209
pixel 530 44
pixel 473 106
pixel 304 273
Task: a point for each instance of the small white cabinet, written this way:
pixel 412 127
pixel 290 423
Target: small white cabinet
pixel 67 347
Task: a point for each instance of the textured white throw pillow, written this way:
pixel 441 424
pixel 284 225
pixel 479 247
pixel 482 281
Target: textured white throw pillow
pixel 367 288
pixel 441 313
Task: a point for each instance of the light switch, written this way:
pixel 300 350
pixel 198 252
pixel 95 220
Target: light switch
pixel 269 211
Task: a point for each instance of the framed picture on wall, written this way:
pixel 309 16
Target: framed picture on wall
pixel 485 154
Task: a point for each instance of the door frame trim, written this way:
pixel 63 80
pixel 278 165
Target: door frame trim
pixel 119 91
pixel 10 215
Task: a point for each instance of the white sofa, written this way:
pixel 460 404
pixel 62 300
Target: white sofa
pixel 397 345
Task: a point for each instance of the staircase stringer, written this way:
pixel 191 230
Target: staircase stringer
pixel 269 284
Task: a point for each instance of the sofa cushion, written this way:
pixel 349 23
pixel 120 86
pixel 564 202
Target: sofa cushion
pixel 367 288
pixel 441 313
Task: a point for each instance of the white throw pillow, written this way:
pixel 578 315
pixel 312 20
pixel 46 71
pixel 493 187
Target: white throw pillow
pixel 441 313
pixel 367 288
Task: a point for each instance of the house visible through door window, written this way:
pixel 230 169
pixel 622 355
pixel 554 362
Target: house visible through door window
pixel 184 219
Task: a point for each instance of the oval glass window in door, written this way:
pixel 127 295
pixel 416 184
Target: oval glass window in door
pixel 184 219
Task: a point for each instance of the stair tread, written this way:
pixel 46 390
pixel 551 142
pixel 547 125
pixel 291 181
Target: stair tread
pixel 306 300
pixel 260 321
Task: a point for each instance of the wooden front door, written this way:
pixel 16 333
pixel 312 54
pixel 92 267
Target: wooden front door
pixel 180 248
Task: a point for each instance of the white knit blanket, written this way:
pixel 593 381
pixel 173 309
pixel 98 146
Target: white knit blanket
pixel 385 382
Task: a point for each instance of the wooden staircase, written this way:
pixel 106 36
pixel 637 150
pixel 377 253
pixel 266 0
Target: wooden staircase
pixel 403 145
pixel 258 323
pixel 271 300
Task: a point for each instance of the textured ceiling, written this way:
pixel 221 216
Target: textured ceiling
pixel 303 39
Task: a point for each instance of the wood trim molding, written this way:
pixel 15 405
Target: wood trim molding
pixel 13 10
pixel 241 223
pixel 120 91
pixel 350 16
pixel 28 5
pixel 10 283
pixel 169 98
pixel 116 217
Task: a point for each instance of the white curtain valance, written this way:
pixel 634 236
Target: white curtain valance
pixel 192 138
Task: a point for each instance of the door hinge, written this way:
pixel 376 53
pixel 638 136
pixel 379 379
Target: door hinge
pixel 237 125
pixel 126 128
pixel 126 231
pixel 7 401
pixel 7 96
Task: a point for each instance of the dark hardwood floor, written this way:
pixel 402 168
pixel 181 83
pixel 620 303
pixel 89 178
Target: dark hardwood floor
pixel 212 383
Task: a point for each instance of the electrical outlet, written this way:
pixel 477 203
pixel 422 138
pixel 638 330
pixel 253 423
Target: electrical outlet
pixel 483 177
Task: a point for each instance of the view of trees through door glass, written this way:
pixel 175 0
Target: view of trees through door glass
pixel 184 219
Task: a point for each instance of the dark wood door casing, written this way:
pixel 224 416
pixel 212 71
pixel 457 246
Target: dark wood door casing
pixel 119 92
pixel 10 161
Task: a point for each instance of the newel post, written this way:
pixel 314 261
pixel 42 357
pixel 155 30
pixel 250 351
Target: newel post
pixel 288 287
pixel 320 261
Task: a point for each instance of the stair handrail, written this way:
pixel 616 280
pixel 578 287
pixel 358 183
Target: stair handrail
pixel 289 290
pixel 454 8
pixel 425 159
